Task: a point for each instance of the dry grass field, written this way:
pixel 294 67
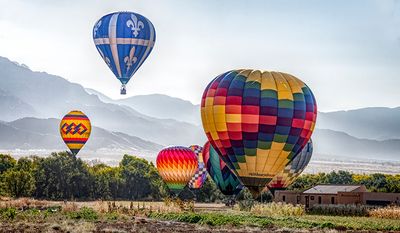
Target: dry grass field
pixel 28 215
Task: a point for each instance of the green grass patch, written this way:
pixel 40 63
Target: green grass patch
pixel 215 219
pixel 303 222
pixel 84 213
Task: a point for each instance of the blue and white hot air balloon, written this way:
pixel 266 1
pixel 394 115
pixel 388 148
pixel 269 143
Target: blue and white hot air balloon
pixel 124 41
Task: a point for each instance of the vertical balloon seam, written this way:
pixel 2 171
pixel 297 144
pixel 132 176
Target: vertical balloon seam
pixel 270 74
pixel 313 104
pixel 234 163
pixel 259 144
pixel 209 111
pixel 294 153
pixel 227 154
pixel 303 85
pixel 246 73
pixel 247 88
pixel 112 30
pixel 106 53
pixel 149 47
pixel 283 77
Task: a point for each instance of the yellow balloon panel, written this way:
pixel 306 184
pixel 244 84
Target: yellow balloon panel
pixel 75 130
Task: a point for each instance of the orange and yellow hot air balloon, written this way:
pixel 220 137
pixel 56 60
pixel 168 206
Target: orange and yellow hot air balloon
pixel 75 130
pixel 176 166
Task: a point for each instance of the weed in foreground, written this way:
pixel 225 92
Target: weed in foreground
pixel 84 213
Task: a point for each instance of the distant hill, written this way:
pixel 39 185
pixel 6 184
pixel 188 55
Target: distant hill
pixel 49 96
pixel 32 133
pixel 12 107
pixel 158 106
pixel 370 123
pixel 142 121
pixel 331 144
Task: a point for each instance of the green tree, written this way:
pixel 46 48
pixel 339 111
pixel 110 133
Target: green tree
pixel 19 183
pixel 62 176
pixel 107 182
pixel 6 162
pixel 340 177
pixel 135 173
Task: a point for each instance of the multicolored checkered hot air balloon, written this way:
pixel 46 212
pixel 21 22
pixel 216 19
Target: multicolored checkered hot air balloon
pixel 75 130
pixel 200 175
pixel 289 174
pixel 257 121
pixel 124 40
pixel 176 166
pixel 224 178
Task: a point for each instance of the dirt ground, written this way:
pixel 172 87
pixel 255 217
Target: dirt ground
pixel 139 225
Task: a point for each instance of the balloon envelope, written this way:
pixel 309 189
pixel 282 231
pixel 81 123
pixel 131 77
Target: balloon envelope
pixel 224 178
pixel 289 174
pixel 200 175
pixel 75 130
pixel 176 165
pixel 257 121
pixel 124 41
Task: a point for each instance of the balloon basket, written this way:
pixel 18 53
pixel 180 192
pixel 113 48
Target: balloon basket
pixel 123 89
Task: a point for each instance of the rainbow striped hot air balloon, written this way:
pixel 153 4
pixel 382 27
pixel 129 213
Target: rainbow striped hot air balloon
pixel 223 177
pixel 200 175
pixel 176 166
pixel 289 174
pixel 257 121
pixel 75 130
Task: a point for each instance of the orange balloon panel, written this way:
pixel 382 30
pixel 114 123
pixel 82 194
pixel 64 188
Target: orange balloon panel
pixel 75 130
pixel 176 166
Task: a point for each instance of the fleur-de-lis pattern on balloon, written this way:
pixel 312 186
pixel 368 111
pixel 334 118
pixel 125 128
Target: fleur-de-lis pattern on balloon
pixel 131 59
pixel 106 59
pixel 124 40
pixel 135 25
pixel 96 27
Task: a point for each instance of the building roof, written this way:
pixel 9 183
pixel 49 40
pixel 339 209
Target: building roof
pixel 332 189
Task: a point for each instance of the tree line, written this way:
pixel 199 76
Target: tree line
pixel 374 182
pixel 62 176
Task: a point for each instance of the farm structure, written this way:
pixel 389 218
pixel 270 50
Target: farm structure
pixel 337 194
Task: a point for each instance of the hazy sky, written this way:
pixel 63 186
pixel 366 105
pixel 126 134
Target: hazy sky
pixel 348 52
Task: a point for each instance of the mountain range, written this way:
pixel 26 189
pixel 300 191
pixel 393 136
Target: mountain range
pixel 41 95
pixel 32 104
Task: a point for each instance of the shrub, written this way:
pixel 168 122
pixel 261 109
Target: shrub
pixel 391 212
pixel 340 210
pixel 8 213
pixel 112 216
pixel 84 213
pixel 246 204
pixel 278 209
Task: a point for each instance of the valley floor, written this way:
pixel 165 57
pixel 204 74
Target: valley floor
pixel 28 215
pixel 138 224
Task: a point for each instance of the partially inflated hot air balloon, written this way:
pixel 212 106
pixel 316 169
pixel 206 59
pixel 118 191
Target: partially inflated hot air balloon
pixel 224 178
pixel 257 121
pixel 75 130
pixel 176 166
pixel 200 175
pixel 124 41
pixel 289 174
